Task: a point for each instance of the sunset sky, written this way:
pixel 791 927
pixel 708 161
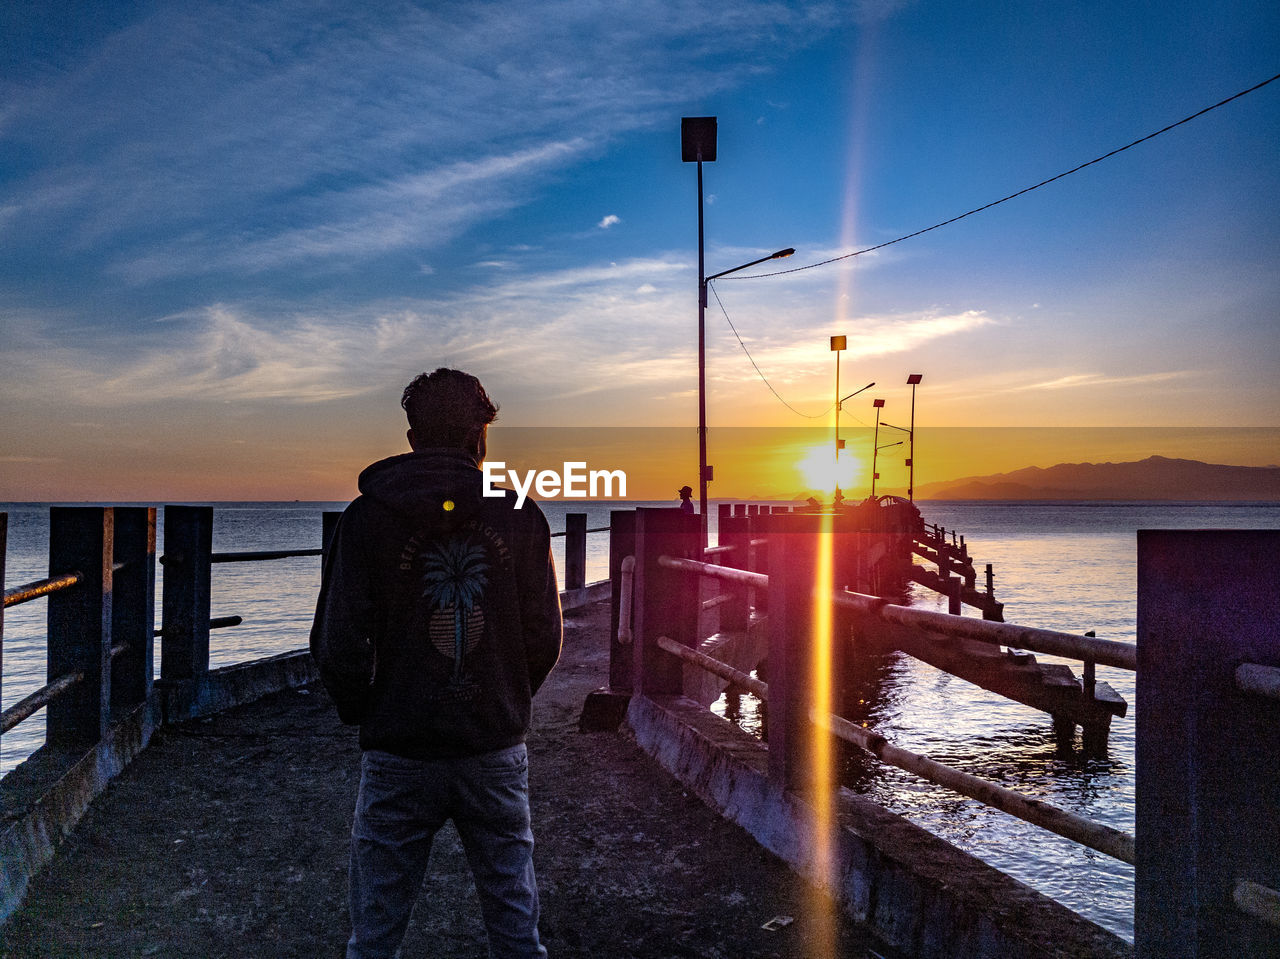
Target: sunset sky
pixel 231 232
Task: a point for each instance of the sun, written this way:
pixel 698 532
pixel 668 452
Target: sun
pixel 822 471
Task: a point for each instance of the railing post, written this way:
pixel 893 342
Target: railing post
pixel 666 600
pixel 133 607
pixel 1207 782
pixel 184 642
pixel 328 526
pixel 991 610
pixel 622 543
pixel 79 624
pixel 792 567
pixel 575 550
pixel 735 531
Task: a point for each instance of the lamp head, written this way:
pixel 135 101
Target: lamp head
pixel 697 139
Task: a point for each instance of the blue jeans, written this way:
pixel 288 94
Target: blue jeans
pixel 401 805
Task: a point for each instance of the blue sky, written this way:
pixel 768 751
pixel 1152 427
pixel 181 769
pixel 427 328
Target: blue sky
pixel 232 231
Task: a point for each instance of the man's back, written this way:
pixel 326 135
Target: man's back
pixel 457 596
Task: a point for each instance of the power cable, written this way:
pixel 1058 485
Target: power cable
pixel 988 206
pixel 764 378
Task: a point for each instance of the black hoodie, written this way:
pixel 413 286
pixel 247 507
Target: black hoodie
pixel 439 614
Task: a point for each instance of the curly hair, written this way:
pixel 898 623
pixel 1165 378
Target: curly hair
pixel 447 408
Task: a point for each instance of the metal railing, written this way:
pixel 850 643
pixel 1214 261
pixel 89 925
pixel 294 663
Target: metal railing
pixel 1077 828
pixel 50 691
pixel 180 631
pixel 41 588
pixel 176 631
pixel 1068 645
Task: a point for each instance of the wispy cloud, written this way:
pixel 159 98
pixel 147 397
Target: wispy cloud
pixel 611 220
pixel 1078 380
pixel 244 137
pixel 421 210
pixel 524 329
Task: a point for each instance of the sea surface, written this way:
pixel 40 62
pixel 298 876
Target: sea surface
pixel 1062 566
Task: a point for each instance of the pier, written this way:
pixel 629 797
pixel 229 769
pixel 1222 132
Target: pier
pixel 246 771
pixel 228 837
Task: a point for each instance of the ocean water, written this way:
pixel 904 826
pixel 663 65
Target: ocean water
pixel 1067 566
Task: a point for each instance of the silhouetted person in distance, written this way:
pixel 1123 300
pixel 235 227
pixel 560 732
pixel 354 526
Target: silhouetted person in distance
pixel 438 619
pixel 686 499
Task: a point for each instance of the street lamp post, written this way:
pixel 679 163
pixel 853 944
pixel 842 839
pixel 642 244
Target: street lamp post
pixel 840 406
pixel 875 448
pixel 698 143
pixel 837 345
pixel 913 380
pixel 704 471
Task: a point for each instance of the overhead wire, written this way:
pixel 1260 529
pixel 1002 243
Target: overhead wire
pixel 765 379
pixel 908 236
pixel 1011 196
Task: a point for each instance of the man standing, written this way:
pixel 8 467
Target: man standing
pixel 438 619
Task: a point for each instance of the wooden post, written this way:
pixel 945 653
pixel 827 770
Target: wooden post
pixel 735 531
pixel 328 526
pixel 79 624
pixel 954 586
pixel 622 543
pixel 184 642
pixel 575 550
pixel 758 561
pixel 991 610
pixel 133 607
pixel 1207 781
pixel 792 561
pixel 666 600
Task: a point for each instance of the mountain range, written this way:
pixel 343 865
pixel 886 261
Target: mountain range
pixel 1154 478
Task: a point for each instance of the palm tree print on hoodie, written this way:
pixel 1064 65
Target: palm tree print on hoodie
pixel 454 575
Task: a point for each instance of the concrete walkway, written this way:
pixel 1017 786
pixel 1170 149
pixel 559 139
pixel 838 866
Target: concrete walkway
pixel 228 837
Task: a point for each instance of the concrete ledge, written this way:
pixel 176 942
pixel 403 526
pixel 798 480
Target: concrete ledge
pixel 914 890
pixel 591 593
pixel 30 836
pixel 234 685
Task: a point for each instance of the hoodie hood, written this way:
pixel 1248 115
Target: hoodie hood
pixel 436 489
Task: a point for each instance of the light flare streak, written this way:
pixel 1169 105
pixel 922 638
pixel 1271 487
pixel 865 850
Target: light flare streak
pixel 821 745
